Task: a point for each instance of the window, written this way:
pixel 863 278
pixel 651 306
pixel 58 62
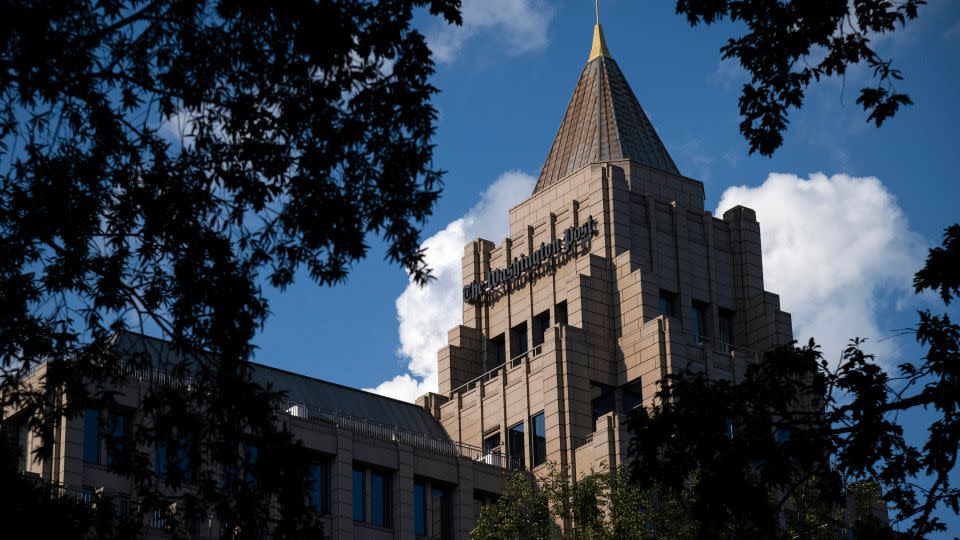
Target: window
pixel 250 456
pixel 515 444
pixel 440 512
pixel 419 509
pixel 491 443
pixel 538 443
pixel 91 436
pixel 518 340
pixel 372 490
pixel 541 323
pixel 117 441
pixel 176 462
pixel 380 499
pixel 560 312
pixel 725 323
pixel 23 448
pixel 359 495
pixel 431 510
pixel 604 402
pixel 699 321
pixel 632 395
pixel 667 303
pixel 498 351
pixel 318 496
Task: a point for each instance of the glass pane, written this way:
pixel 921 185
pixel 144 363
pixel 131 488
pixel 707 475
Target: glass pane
pixel 441 513
pixel 250 464
pixel 419 510
pixel 379 500
pixel 539 446
pixel 515 444
pixel 118 434
pixel 358 495
pixel 491 443
pixel 22 449
pixel 160 459
pixel 91 436
pixel 319 474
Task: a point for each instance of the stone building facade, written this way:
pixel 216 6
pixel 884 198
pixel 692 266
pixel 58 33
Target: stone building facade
pixel 613 276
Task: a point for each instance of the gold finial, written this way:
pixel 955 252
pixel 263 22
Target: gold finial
pixel 599 44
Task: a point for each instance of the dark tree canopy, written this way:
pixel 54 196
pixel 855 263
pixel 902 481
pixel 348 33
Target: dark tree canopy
pixel 162 160
pixel 802 432
pixel 791 44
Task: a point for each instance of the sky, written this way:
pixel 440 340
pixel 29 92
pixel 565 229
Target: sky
pixel 847 211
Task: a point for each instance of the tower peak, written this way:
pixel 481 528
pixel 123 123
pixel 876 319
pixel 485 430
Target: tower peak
pixel 599 47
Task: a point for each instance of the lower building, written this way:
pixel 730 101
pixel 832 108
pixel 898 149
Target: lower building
pixel 384 468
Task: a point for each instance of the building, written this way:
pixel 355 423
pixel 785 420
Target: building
pixel 613 276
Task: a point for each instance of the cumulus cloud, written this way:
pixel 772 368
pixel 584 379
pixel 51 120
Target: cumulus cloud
pixel 426 313
pixel 520 26
pixel 838 250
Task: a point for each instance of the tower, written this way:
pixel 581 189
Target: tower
pixel 613 276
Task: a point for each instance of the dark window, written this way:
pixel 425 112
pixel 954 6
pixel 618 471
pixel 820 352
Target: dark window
pixel 560 312
pixel 319 494
pixel 700 321
pixel 496 352
pixel 632 396
pixel 605 402
pixel 538 444
pixel 359 494
pixel 23 436
pixel 117 441
pixel 515 444
pixel 179 457
pixel 667 303
pixel 541 323
pixel 518 340
pixel 380 499
pixel 91 436
pixel 419 509
pixel 491 443
pixel 440 512
pixel 250 456
pixel 725 324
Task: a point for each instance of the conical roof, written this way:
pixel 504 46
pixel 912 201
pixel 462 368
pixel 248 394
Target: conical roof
pixel 604 122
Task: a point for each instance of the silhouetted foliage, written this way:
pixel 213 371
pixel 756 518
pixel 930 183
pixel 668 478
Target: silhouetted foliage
pixel 161 161
pixel 791 44
pixel 797 435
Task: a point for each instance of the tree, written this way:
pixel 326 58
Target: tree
pixel 789 45
pixel 163 160
pixel 799 437
pixel 600 505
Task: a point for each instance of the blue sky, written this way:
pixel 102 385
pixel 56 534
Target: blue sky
pixel 847 210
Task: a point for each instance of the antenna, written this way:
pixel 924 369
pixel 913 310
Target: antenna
pixel 596 5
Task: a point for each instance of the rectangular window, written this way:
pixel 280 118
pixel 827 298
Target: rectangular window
pixel 440 513
pixel 91 436
pixel 515 444
pixel 117 441
pixel 491 443
pixel 419 509
pixel 380 499
pixel 541 323
pixel 699 321
pixel 560 312
pixel 497 351
pixel 176 462
pixel 632 395
pixel 359 495
pixel 605 401
pixel 725 324
pixel 319 494
pixel 538 445
pixel 518 340
pixel 667 300
pixel 23 448
pixel 250 456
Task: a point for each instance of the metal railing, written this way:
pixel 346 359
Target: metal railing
pixel 369 428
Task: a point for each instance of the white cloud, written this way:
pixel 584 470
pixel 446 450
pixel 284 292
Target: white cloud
pixel 426 313
pixel 838 250
pixel 520 26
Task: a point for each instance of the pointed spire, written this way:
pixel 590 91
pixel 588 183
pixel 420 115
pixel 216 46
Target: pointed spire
pixel 599 47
